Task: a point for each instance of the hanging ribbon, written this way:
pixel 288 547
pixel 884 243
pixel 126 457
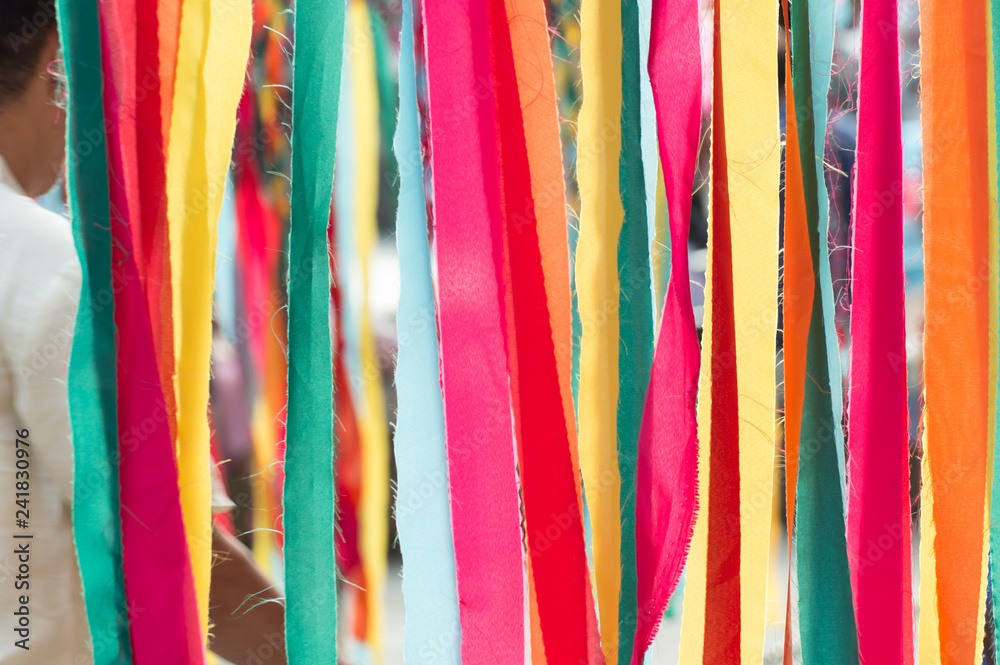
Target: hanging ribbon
pixel 422 512
pixel 484 501
pixel 713 587
pixel 798 285
pixel 826 617
pixel 211 63
pixel 553 519
pixel 747 81
pixel 533 64
pixel 878 516
pixel 956 345
pixel 536 646
pixel 91 386
pixel 309 510
pixel 597 290
pixel 635 320
pixel 666 482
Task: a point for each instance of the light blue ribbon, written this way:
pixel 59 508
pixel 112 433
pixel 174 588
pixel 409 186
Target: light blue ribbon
pixel 423 514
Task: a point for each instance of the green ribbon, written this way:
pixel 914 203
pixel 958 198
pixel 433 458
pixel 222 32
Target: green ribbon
pixel 635 317
pixel 309 500
pixel 826 613
pixel 91 383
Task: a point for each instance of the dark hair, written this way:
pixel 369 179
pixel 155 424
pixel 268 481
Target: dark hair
pixel 25 26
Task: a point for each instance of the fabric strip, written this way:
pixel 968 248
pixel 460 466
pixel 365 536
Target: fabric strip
pixel 212 54
pixel 720 639
pixel 711 628
pixel 635 318
pixel 798 285
pixel 91 380
pixel 956 345
pixel 826 614
pixel 878 516
pixel 666 480
pixel 549 488
pixel 536 89
pixel 308 500
pixel 597 290
pixel 749 87
pixel 484 501
pixel 423 516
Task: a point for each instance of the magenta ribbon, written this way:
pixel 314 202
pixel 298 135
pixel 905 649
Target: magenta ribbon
pixel 878 515
pixel 480 442
pixel 667 468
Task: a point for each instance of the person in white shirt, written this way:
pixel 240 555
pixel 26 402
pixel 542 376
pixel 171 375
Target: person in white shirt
pixel 39 290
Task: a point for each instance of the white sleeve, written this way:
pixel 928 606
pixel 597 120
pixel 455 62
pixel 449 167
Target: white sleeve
pixel 39 368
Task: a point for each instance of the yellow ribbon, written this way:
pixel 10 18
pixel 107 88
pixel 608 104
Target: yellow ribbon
pixel 750 93
pixel 214 44
pixel 750 97
pixel 597 291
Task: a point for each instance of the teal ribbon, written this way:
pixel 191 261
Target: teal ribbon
pixel 92 384
pixel 635 316
pixel 309 501
pixel 826 614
